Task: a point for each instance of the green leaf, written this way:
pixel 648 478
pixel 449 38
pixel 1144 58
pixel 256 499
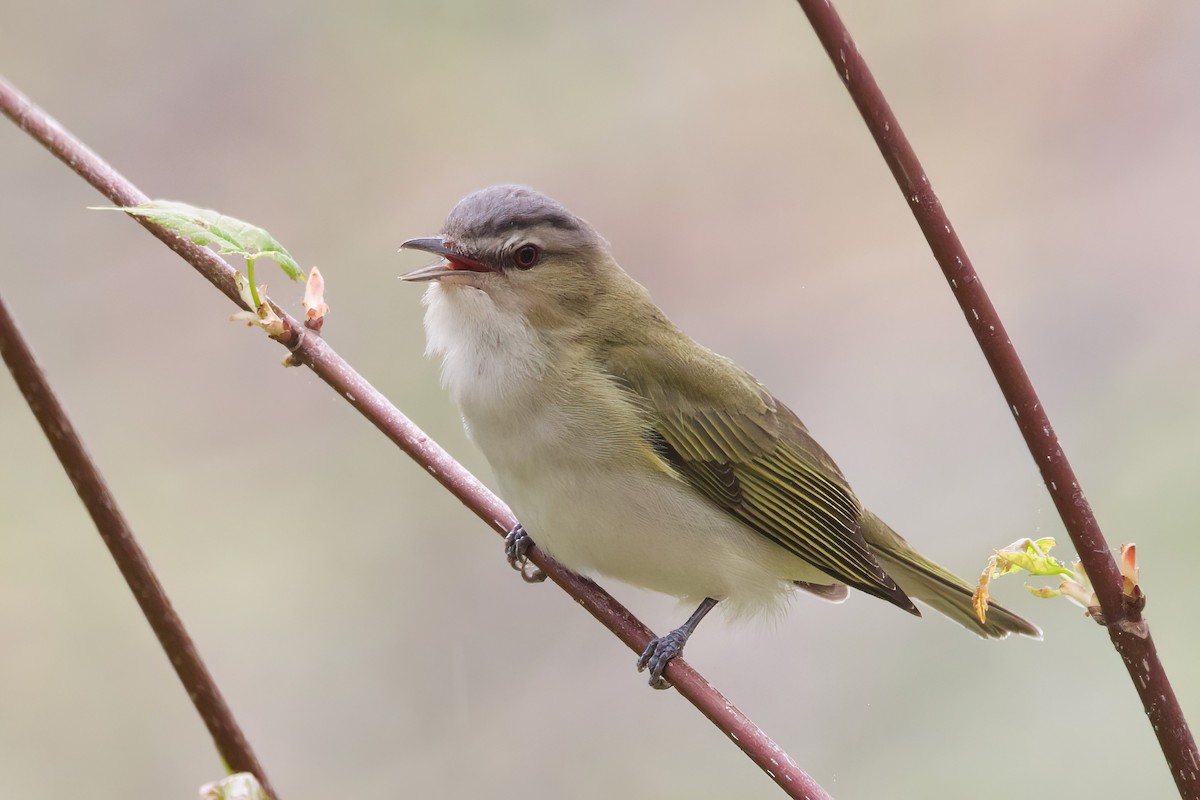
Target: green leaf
pixel 1032 556
pixel 206 227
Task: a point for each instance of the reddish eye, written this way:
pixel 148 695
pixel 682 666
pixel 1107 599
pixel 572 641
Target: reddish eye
pixel 526 256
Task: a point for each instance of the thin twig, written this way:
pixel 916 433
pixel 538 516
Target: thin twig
pixel 310 349
pixel 130 558
pixel 1129 632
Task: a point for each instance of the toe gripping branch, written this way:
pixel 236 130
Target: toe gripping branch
pixel 662 649
pixel 517 545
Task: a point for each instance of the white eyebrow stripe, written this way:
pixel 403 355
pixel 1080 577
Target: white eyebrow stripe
pixel 522 238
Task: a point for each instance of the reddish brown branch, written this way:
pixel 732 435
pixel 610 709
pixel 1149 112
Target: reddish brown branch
pixel 310 349
pixel 1128 630
pixel 131 560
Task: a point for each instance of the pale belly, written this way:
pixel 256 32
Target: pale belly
pixel 647 529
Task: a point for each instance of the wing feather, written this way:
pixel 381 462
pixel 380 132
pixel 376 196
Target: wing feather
pixel 726 435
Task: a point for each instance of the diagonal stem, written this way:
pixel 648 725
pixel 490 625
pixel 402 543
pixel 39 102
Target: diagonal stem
pixel 313 351
pixel 130 558
pixel 1129 632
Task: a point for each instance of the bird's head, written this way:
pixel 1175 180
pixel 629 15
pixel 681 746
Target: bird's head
pixel 526 252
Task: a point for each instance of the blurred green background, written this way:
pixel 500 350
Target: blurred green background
pixel 362 623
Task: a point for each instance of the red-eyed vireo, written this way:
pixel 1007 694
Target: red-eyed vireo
pixel 627 449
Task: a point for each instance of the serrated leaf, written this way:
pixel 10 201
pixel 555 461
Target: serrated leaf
pixel 206 227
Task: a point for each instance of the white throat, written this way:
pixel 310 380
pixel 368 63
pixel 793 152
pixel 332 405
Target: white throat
pixel 490 356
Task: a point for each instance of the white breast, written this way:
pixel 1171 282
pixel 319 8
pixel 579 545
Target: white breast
pixel 567 472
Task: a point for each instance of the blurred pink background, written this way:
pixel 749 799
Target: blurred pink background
pixel 362 623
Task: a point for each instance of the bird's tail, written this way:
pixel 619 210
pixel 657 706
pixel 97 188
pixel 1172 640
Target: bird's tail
pixel 938 587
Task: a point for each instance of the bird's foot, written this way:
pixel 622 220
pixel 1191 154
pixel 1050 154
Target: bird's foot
pixel 659 653
pixel 662 649
pixel 516 549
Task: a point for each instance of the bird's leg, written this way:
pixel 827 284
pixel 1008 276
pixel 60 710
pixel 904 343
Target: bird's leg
pixel 663 648
pixel 516 548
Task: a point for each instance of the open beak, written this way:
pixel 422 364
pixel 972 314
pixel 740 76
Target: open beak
pixel 455 262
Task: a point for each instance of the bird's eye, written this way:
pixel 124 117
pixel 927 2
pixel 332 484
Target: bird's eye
pixel 526 256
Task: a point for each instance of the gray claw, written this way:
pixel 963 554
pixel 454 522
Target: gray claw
pixel 658 654
pixel 517 545
pixel 662 649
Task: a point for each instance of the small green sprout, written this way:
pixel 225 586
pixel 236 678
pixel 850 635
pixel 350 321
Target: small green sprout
pixel 230 235
pixel 1033 556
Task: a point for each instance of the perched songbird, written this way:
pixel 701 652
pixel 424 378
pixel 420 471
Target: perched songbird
pixel 629 450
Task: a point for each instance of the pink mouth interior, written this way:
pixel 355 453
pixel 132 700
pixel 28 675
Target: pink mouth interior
pixel 464 265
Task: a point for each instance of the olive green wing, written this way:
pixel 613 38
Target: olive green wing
pixel 726 435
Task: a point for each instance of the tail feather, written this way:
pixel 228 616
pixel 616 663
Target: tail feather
pixel 939 588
